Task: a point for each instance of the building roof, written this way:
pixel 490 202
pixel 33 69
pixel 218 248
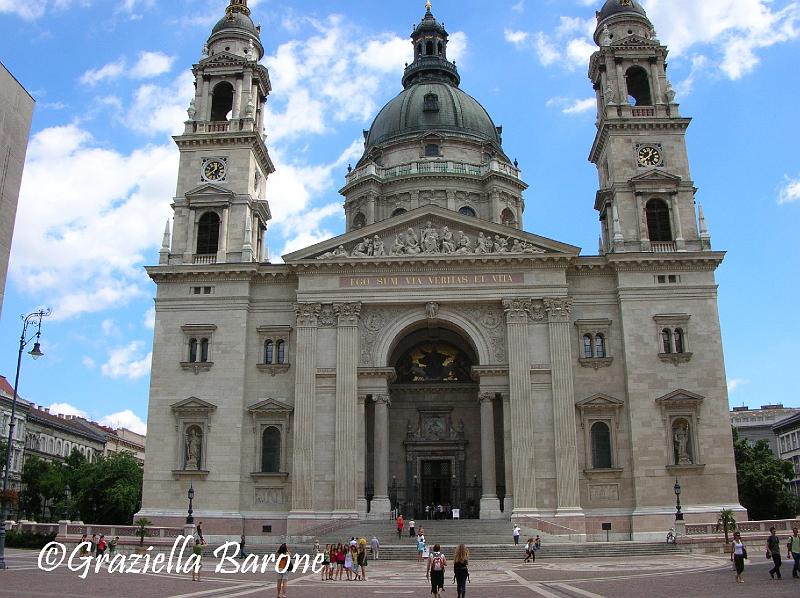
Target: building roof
pixel 793 421
pixel 6 388
pixel 615 7
pixel 68 423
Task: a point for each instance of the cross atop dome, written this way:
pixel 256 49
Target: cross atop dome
pixel 428 5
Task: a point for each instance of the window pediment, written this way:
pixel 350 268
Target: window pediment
pixel 680 399
pixel 193 406
pixel 600 402
pixel 209 195
pixel 270 408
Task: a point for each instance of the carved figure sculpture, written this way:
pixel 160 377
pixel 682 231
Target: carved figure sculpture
pixel 194 441
pixel 464 244
pixel 338 252
pixel 605 36
pixel 191 110
pixel 378 248
pixel 204 53
pixel 448 244
pixel 484 244
pixel 670 93
pixel 432 310
pixel 681 438
pixel 500 244
pixel 399 247
pixel 430 241
pixel 361 250
pixel 611 97
pixel 412 242
pixel 517 246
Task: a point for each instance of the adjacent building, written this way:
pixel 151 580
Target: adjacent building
pixel 18 441
pixel 436 352
pixel 787 432
pixel 16 112
pixel 758 424
pixel 53 437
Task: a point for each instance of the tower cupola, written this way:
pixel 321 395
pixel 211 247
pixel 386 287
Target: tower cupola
pixel 236 33
pixel 430 53
pixel 619 19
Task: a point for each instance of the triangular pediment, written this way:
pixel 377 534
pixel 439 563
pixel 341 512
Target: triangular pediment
pixel 270 406
pixel 435 233
pixel 680 397
pixel 223 58
pixel 658 176
pixel 210 194
pixel 635 40
pixel 600 401
pixel 193 405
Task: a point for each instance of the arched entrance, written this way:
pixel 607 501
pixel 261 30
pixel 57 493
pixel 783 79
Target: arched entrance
pixel 434 436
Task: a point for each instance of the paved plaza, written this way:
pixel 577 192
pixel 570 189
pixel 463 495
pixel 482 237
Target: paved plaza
pixel 680 576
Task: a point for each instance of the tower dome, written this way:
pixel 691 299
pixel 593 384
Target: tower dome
pixel 615 7
pixel 236 25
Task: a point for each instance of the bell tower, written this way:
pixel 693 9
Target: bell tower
pixel 646 197
pixel 220 210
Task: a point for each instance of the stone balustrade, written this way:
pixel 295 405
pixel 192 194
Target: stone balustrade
pixel 420 167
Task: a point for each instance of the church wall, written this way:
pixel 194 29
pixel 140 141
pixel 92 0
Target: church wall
pixel 544 462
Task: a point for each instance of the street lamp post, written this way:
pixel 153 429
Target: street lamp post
pixel 33 320
pixel 67 496
pixel 189 518
pixel 678 514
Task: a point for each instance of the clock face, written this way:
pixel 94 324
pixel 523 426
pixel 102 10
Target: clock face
pixel 649 156
pixel 214 170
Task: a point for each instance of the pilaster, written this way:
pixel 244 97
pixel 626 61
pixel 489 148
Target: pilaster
pixel 304 412
pixel 346 449
pixel 381 505
pixel 490 504
pixel 521 400
pixel 564 424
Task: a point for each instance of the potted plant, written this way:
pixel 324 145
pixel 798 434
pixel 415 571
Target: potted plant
pixel 142 531
pixel 727 522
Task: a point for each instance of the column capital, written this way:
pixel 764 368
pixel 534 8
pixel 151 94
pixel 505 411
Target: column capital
pixel 348 314
pixel 307 314
pixel 558 309
pixel 486 397
pixel 519 309
pixel 382 400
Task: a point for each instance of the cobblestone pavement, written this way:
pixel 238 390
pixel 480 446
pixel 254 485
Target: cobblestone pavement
pixel 678 576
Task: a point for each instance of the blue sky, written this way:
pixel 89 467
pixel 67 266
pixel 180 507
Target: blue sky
pixel 112 82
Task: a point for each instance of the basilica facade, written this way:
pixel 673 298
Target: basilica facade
pixel 436 352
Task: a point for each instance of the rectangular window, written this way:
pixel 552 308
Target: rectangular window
pixel 673 279
pixel 662 279
pixel 431 149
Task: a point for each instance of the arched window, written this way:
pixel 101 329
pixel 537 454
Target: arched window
pixel 638 87
pixel 193 350
pixel 203 350
pixel 468 211
pixel 430 103
pixel 679 342
pixel 398 212
pixel 208 233
pixel 507 218
pixel 58 447
pixel 431 149
pixel 281 357
pixel 601 446
pixel 429 48
pixel 599 346
pixel 587 346
pixel 222 101
pixel 666 340
pixel 360 221
pixel 658 226
pixel 271 450
pixel 269 351
pixel 419 49
pixel 440 48
pixel 50 446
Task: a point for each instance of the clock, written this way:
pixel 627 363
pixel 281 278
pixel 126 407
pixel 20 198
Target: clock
pixel 649 155
pixel 214 170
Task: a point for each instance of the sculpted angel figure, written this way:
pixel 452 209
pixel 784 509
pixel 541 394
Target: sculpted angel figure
pixel 378 248
pixel 338 252
pixel 448 244
pixel 464 244
pixel 399 247
pixel 412 243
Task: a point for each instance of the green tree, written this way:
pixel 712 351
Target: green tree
pixel 33 473
pixel 762 479
pixel 3 455
pixel 110 490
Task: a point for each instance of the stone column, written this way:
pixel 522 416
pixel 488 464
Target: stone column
pixel 508 501
pixel 658 97
pixel 222 248
pixel 490 504
pixel 622 86
pixel 381 506
pixel 346 448
pixel 680 245
pixel 237 97
pixel 564 424
pixel 305 385
pixel 204 110
pixel 521 401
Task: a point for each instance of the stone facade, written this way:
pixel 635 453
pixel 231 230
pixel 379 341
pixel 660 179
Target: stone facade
pixel 433 353
pixel 16 112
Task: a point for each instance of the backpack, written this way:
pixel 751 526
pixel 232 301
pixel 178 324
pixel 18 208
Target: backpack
pixel 437 562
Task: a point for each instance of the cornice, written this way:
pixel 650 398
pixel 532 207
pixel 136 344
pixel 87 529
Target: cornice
pixel 252 138
pixel 455 262
pixel 650 262
pixel 607 125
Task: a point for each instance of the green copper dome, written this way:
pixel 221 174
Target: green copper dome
pixel 236 20
pixel 615 7
pixel 432 106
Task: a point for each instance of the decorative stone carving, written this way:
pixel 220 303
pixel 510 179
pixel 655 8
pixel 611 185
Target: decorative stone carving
pixel 559 309
pixel 191 110
pixel 680 438
pixel 433 241
pixel 194 448
pixel 307 314
pixel 669 94
pixel 327 316
pixel 269 496
pixel 372 322
pixel 432 310
pixel 611 96
pixel 604 492
pixel 605 36
pixel 517 310
pixel 347 313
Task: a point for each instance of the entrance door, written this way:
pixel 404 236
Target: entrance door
pixel 437 485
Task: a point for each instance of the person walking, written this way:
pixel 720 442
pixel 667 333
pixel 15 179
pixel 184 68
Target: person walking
pixel 738 555
pixel 242 553
pixel 112 546
pixel 412 531
pixel 197 550
pixel 516 533
pixel 774 552
pixel 434 571
pixel 376 547
pixel 282 564
pixel 326 563
pixel 793 552
pixel 461 570
pixel 361 561
pixel 101 546
pixel 420 547
pixel 537 543
pixel 200 533
pixel 400 525
pixel 93 546
pixel 530 551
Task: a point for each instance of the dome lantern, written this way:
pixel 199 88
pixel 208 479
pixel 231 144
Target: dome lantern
pixel 430 53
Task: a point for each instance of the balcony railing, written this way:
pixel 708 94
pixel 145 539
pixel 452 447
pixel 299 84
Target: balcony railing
pixel 643 111
pixel 662 247
pixel 205 258
pixel 433 166
pixel 218 127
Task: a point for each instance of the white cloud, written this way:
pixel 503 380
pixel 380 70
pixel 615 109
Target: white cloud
pixel 109 327
pixel 159 109
pixel 127 362
pixel 789 191
pixel 150 318
pixel 519 7
pixel 88 362
pixel 580 106
pixel 735 383
pixel 569 44
pixel 86 217
pixel 110 71
pixel 151 64
pixel 125 419
pixel 515 36
pixel 33 9
pixel 66 409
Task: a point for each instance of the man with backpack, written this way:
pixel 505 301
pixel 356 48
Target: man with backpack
pixel 435 570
